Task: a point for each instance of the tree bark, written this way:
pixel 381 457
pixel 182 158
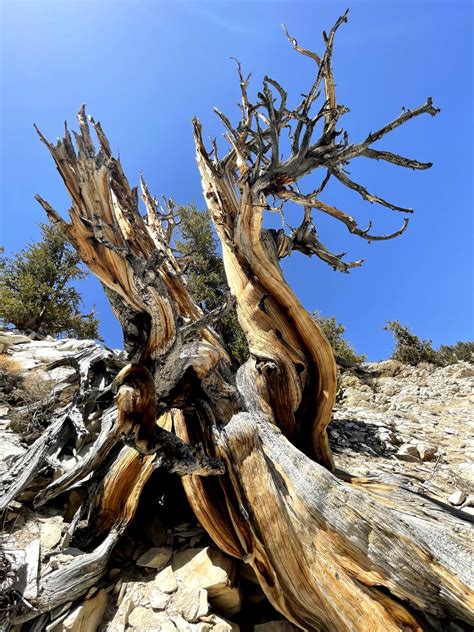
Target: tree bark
pixel 330 552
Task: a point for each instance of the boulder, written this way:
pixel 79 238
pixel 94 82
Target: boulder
pixel 218 624
pixel 457 498
pixel 166 580
pixel 87 616
pixel 407 453
pixel 51 532
pixel 210 569
pixel 426 452
pixel 191 603
pixel 142 619
pixel 156 557
pixel 158 599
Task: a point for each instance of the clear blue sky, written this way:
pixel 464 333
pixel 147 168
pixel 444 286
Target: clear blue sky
pixel 146 68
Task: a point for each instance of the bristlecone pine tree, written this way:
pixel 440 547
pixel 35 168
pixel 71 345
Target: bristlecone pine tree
pixel 331 552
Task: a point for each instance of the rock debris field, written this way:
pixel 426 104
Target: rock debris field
pixel 414 422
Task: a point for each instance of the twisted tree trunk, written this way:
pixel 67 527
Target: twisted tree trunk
pixel 330 552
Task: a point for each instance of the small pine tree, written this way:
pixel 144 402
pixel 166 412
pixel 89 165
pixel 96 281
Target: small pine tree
pixel 409 349
pixel 36 292
pixel 205 275
pixel 343 352
pixel 459 352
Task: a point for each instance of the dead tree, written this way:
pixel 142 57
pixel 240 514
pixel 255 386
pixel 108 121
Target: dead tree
pixel 331 552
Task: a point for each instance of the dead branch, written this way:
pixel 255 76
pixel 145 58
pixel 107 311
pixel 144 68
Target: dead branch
pixel 256 148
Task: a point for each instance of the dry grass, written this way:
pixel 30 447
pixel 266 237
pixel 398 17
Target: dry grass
pixel 28 395
pixel 8 365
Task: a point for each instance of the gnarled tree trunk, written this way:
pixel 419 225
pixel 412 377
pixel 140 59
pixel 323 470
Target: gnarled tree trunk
pixel 330 552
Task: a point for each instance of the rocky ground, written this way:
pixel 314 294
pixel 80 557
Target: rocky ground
pixel 414 421
pixel 166 574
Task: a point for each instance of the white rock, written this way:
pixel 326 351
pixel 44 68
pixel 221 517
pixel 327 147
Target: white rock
pixel 181 624
pixel 70 344
pixel 143 619
pixel 222 625
pixel 87 617
pixel 43 344
pixel 9 448
pixel 156 557
pixel 209 568
pixel 158 599
pixel 407 453
pixel 68 463
pixel 26 364
pixel 61 374
pixel 7 338
pixel 191 603
pixel 48 355
pixel 457 498
pixel 426 452
pixel 466 470
pixel 51 532
pixel 203 627
pixel 166 580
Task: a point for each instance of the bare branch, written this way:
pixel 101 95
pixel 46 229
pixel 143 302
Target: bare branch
pixel 188 331
pixel 395 159
pixel 362 191
pixel 356 150
pixel 305 240
pixel 309 202
pixel 256 146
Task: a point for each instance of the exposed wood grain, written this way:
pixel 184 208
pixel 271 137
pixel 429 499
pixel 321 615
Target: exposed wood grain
pixel 252 448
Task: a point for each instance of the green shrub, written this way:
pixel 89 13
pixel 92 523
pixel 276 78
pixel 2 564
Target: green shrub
pixel 410 349
pixel 460 352
pixel 343 352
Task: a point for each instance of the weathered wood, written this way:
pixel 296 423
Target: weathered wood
pixel 333 556
pixel 329 554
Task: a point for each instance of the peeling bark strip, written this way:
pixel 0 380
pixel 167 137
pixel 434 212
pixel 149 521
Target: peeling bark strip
pixel 329 554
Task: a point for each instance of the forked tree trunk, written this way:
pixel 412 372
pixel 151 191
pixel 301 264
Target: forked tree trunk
pixel 330 552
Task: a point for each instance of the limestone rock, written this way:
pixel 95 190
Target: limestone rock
pixel 143 619
pixel 457 498
pixel 210 569
pixel 9 449
pixel 87 616
pixel 158 599
pixel 218 624
pixel 182 625
pixel 51 532
pixel 8 339
pixel 166 580
pixel 191 603
pixel 407 453
pixel 156 557
pixel 426 452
